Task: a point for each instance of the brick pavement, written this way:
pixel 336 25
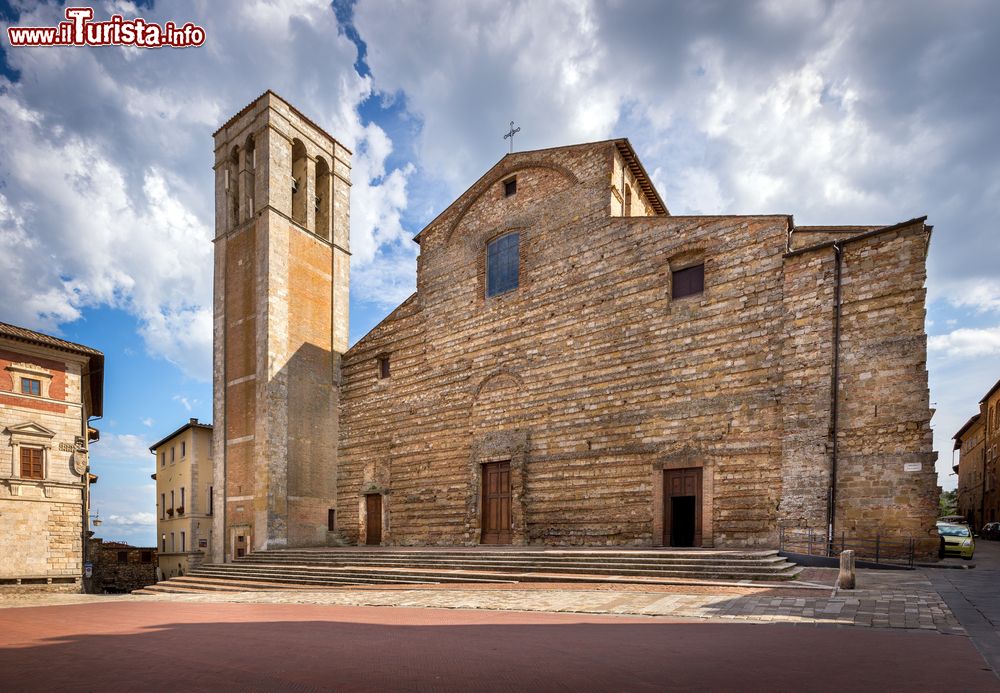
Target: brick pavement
pixel 153 645
pixel 885 599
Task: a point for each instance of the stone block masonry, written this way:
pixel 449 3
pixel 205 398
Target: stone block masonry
pixel 594 381
pixel 643 379
pixel 281 273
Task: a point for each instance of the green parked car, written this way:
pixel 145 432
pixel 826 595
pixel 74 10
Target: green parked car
pixel 957 539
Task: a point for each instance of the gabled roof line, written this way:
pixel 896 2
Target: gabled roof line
pixel 645 182
pixel 621 143
pixel 990 393
pixel 293 109
pixel 968 424
pixel 192 423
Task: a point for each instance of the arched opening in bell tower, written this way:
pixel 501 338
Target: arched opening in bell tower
pixel 323 196
pixel 249 176
pixel 233 189
pixel 300 187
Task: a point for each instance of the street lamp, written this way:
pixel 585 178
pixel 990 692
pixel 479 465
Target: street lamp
pixel 95 519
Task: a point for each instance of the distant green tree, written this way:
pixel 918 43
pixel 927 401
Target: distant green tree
pixel 948 503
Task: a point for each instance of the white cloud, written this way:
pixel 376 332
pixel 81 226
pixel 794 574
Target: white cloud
pixel 966 342
pixel 147 422
pixel 467 69
pixel 121 446
pixel 107 196
pixel 978 294
pixel 185 402
pixel 140 519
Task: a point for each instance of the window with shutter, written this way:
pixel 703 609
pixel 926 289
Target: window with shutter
pixel 689 281
pixel 31 463
pixel 502 264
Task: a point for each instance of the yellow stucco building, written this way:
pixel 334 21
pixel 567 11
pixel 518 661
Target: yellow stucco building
pixel 184 506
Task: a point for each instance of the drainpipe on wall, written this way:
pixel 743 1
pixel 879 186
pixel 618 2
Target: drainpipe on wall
pixel 85 534
pixel 831 509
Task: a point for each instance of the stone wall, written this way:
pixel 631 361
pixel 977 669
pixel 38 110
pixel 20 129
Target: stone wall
pixel 281 318
pixel 111 575
pixel 886 480
pixel 592 380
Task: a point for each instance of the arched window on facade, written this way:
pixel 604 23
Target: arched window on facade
pixel 628 200
pixel 503 264
pixel 249 176
pixel 300 186
pixel 324 194
pixel 233 188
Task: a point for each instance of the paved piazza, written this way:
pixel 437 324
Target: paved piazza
pixel 895 633
pixel 888 599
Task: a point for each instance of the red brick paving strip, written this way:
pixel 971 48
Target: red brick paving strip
pixel 158 646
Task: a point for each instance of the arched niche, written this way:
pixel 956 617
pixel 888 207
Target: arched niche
pixel 300 186
pixel 249 177
pixel 324 198
pixel 233 188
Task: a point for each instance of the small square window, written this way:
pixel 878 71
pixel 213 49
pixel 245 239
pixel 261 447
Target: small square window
pixel 383 367
pixel 123 556
pixel 510 187
pixel 689 281
pixel 30 386
pixel 146 557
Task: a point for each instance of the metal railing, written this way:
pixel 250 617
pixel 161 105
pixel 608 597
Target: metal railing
pixel 877 549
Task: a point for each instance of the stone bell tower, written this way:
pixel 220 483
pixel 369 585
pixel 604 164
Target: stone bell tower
pixel 282 215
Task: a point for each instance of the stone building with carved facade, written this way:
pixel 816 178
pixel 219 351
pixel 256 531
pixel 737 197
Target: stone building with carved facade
pixel 49 390
pixel 577 365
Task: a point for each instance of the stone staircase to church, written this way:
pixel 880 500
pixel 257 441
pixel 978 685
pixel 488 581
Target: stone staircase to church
pixel 323 568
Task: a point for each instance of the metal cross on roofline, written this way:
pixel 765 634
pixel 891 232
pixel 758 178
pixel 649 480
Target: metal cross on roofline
pixel 510 135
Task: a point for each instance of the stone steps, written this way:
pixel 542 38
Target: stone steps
pixel 349 576
pixel 514 563
pixel 354 575
pixel 366 571
pixel 347 567
pixel 194 584
pixel 596 554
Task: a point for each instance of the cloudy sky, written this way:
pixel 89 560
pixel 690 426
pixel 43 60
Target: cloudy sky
pixel 836 112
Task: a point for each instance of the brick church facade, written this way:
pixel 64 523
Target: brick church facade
pixel 577 366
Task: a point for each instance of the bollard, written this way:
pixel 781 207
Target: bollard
pixel 846 579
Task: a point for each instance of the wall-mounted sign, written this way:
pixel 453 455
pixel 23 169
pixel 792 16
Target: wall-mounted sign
pixel 202 543
pixel 912 466
pixel 88 570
